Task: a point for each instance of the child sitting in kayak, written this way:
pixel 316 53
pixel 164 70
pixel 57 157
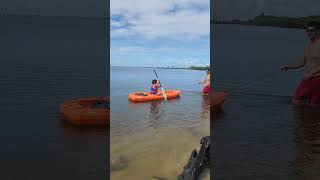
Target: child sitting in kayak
pixel 154 87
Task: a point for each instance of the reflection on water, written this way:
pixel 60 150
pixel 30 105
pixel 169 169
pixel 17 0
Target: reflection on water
pixel 155 137
pixel 44 62
pixel 205 107
pixel 217 115
pixel 68 130
pixel 154 113
pixel 307 138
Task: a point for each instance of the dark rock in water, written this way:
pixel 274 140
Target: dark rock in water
pixel 197 162
pixel 205 174
pixel 316 150
pixel 118 164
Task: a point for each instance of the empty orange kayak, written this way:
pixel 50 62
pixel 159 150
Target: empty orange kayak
pixel 218 99
pixel 147 96
pixel 86 111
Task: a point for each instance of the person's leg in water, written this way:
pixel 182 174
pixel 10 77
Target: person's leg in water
pixel 298 102
pixel 315 92
pixel 206 90
pixel 302 95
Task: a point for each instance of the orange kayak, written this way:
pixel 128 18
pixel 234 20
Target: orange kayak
pixel 86 111
pixel 218 99
pixel 146 96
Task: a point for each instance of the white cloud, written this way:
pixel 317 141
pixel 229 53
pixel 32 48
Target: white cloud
pixel 128 50
pixel 131 8
pixel 186 62
pixel 117 24
pixel 163 49
pixel 151 18
pixel 121 33
pixel 195 62
pixel 135 55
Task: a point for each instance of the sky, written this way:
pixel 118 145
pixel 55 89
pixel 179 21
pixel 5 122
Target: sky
pixel 82 8
pixel 152 33
pixel 246 9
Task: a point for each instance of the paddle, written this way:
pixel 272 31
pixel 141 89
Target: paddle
pixel 162 89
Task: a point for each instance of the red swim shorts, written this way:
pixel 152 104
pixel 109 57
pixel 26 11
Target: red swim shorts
pixel 309 90
pixel 206 89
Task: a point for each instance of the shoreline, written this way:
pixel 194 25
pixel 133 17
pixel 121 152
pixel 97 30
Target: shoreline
pixel 198 68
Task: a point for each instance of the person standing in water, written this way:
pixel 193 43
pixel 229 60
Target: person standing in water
pixel 308 92
pixel 206 83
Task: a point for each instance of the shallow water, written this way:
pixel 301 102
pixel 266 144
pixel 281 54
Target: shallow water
pixel 259 134
pixel 154 139
pixel 44 62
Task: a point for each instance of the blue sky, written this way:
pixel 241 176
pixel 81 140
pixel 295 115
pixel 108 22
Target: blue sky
pixel 160 33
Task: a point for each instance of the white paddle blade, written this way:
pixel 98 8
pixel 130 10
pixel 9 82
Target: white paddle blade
pixel 164 94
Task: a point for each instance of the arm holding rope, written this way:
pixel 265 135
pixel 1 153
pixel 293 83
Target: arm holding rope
pixel 298 65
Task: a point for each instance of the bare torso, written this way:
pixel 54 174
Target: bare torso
pixel 207 80
pixel 312 57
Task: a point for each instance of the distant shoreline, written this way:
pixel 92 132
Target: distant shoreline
pixel 187 68
pixel 271 21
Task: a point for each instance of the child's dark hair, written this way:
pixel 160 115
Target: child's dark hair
pixel 154 81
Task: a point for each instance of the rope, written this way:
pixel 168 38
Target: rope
pixel 261 77
pixel 195 84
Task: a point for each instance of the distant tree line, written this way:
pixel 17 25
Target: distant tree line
pixel 199 68
pixel 268 20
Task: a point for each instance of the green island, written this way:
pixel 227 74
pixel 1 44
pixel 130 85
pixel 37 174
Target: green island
pixel 199 68
pixel 269 20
